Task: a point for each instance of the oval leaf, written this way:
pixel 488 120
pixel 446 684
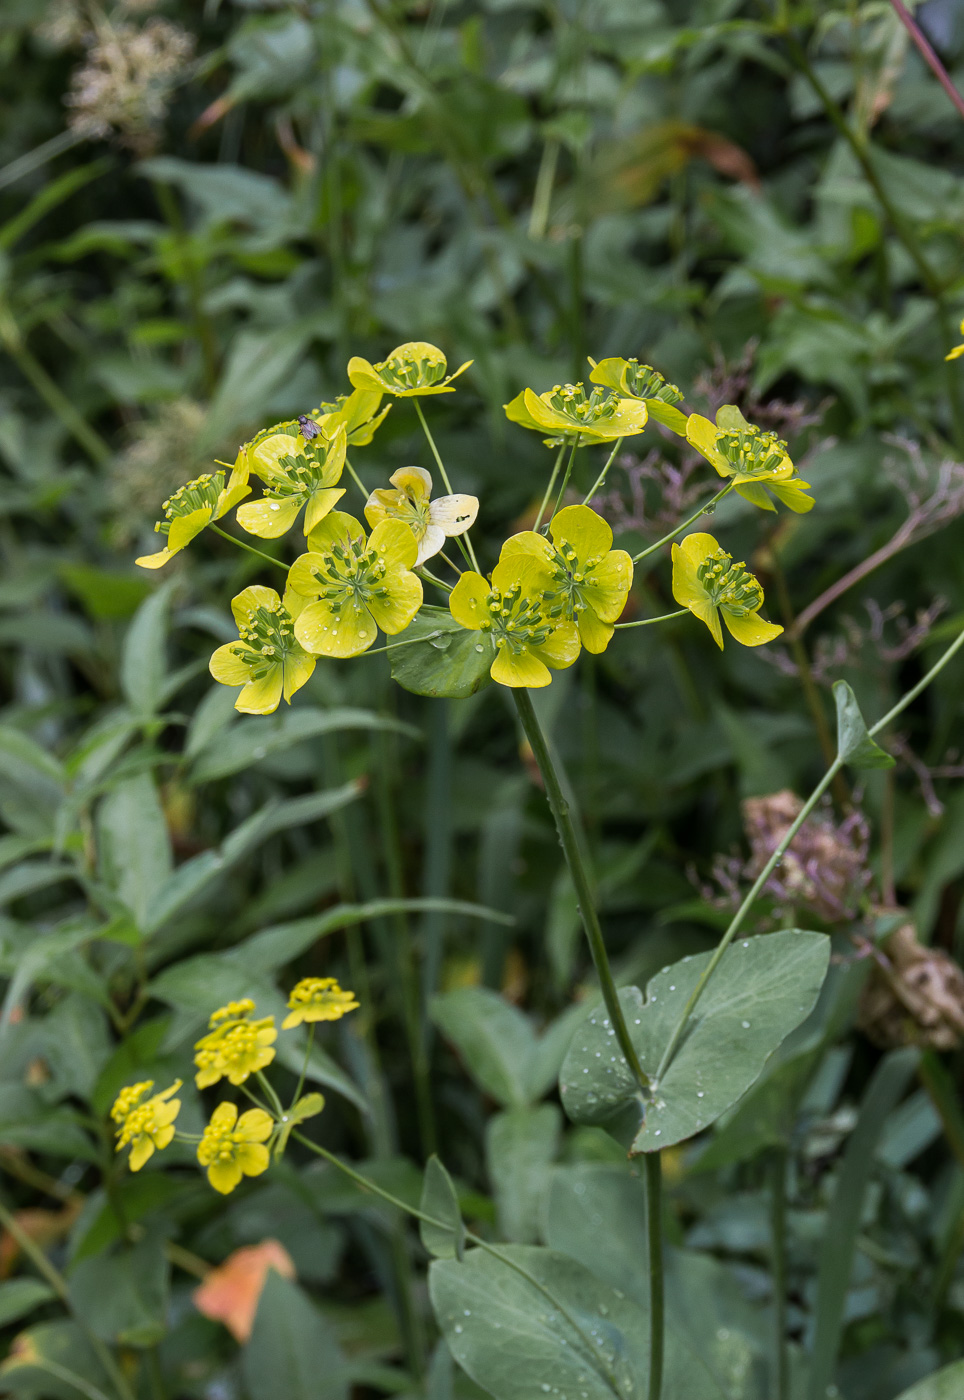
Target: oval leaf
pixel 439 1199
pixel 447 661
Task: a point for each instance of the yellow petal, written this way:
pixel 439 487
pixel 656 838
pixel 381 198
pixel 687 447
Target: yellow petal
pixel 302 578
pixel 362 375
pixel 163 1137
pixel 383 504
pixel 320 503
pixel 416 481
pixel 793 494
pixel 255 1125
pixel 269 519
pixel 227 667
pixel 518 412
pixel 587 532
pixel 454 514
pixel 607 587
pixel 156 561
pixel 337 528
pixel 264 458
pixel 294 1018
pixel 262 697
pixel 750 629
pixel 522 670
pixel 224 1176
pixel 755 493
pixel 246 603
pixel 703 435
pixel 956 353
pixel 224 1117
pixel 253 1159
pixel 429 545
pixel 297 671
pixel 525 570
pixel 141 1150
pixel 237 486
pixel 394 613
pixel 348 632
pixel 561 647
pixel 294 603
pixel 594 634
pixel 185 527
pixel 395 543
pixel 527 542
pixel 468 600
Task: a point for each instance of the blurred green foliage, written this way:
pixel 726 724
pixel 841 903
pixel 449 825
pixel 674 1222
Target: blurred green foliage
pixel 765 202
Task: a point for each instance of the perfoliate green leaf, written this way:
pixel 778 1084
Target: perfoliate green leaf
pixel 448 662
pixel 307 1107
pixel 445 1241
pixel 762 989
pixel 854 744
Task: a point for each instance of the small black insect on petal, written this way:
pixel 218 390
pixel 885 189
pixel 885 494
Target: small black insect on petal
pixel 309 428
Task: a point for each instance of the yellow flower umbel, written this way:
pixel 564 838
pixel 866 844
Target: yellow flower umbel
pixel 431 522
pixel 582 571
pixel 298 473
pixel 232 1147
pixel 567 412
pixel 757 462
pixel 411 370
pixel 235 1047
pixel 318 999
pixel 356 412
pixel 632 380
pixel 530 636
pixel 267 660
pixel 359 585
pixel 195 505
pixel 706 580
pixel 145 1124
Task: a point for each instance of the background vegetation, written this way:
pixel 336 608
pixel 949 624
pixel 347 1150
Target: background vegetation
pixel 203 212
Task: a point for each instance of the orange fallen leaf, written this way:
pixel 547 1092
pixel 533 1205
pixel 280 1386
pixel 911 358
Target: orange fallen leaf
pixel 230 1293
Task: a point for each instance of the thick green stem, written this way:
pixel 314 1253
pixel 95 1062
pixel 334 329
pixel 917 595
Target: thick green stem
pixel 580 879
pixel 780 1387
pixel 463 541
pixel 648 621
pixel 552 481
pixel 600 481
pixel 654 1250
pixel 703 510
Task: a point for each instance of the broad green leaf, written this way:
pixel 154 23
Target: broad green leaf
pixel 104 1219
pixel 292 1352
pixel 56 1360
pixel 762 989
pixel 214 713
pixel 19 1296
pixel 766 1116
pixel 135 846
pixel 520 1146
pixel 31 785
pixel 144 658
pixel 122 1295
pixel 439 1200
pixel 447 661
pixel 495 1040
pixel 854 744
pixel 256 737
pixel 946 1384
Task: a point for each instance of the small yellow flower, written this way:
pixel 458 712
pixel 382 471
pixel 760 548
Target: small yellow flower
pixel 318 999
pixel 567 412
pixel 583 572
pixel 298 473
pixel 267 660
pixel 234 1050
pixel 706 580
pixel 195 505
pixel 357 412
pixel 756 461
pixel 232 1147
pixel 145 1124
pixel 529 637
pixel 234 1011
pixel 411 370
pixel 431 522
pixel 359 585
pixel 632 380
pixel 958 350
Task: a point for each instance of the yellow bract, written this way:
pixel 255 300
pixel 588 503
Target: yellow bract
pixel 145 1124
pixel 232 1147
pixel 411 370
pixel 195 505
pixel 635 381
pixel 567 412
pixel 298 473
pixel 755 461
pixel 529 636
pixel 359 585
pixel 706 580
pixel 318 999
pixel 267 660
pixel 582 572
pixel 431 522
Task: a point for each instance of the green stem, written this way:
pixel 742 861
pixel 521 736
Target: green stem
pixel 580 879
pixel 565 479
pixel 393 646
pixel 59 1284
pixel 552 482
pixel 249 547
pixel 601 478
pixel 780 1389
pixel 304 1067
pixel 463 541
pixel 648 621
pixel 356 479
pixel 703 510
pixel 366 1185
pixel 778 854
pixel 439 582
pixel 654 1250
pixel 542 196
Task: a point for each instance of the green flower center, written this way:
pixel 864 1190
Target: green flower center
pixel 266 639
pixel 353 573
pixel 752 451
pixel 644 382
pixel 303 474
pixel 196 495
pixel 408 372
pixel 572 400
pixel 516 620
pixel 728 585
pixel 572 578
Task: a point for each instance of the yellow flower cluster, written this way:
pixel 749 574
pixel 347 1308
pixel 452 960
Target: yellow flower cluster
pixel 236 1046
pixel 552 592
